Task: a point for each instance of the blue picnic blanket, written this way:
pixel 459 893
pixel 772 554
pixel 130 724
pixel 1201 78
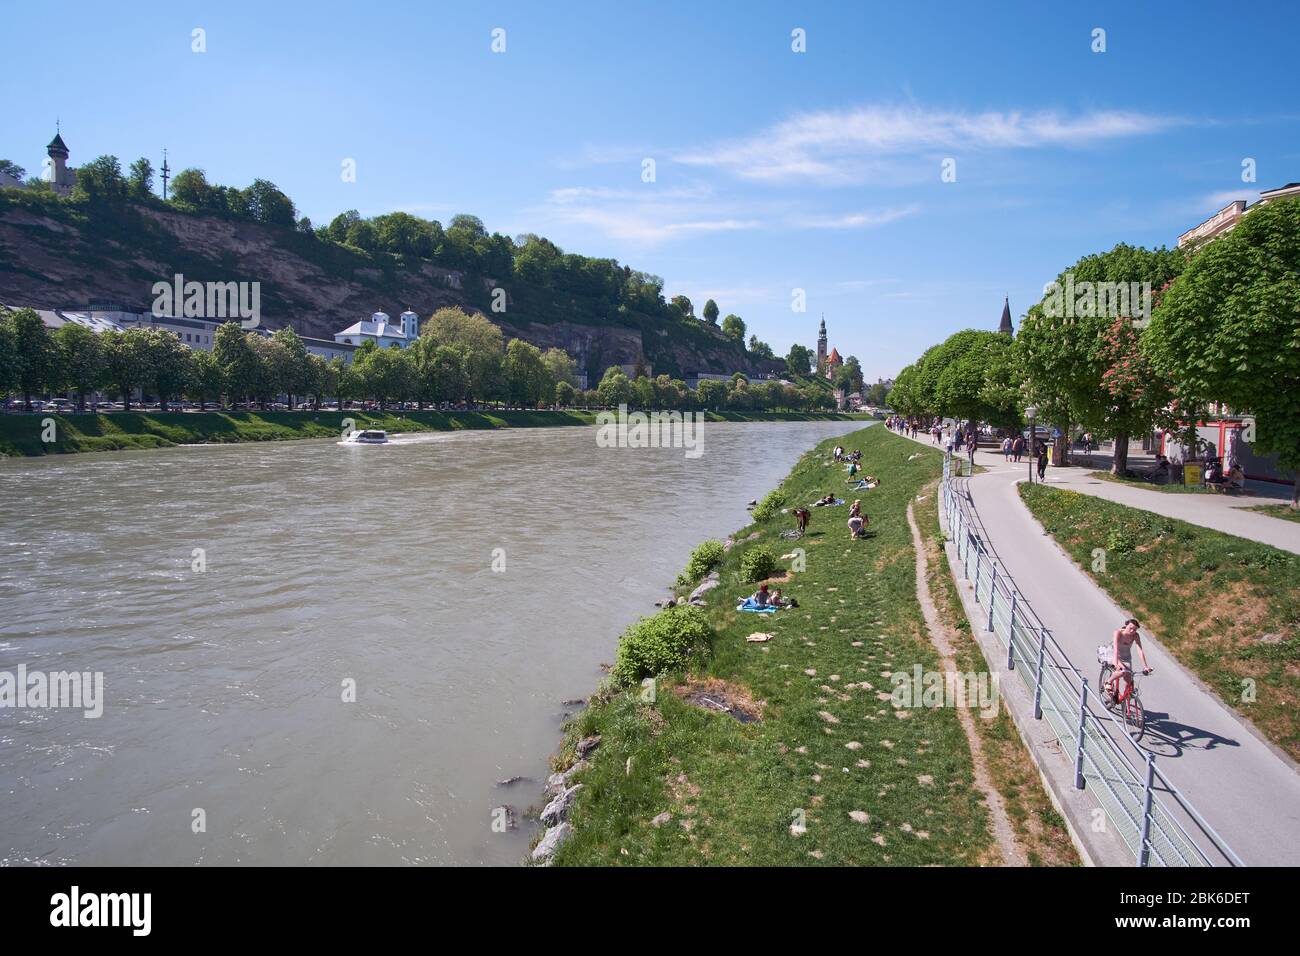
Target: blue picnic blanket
pixel 749 605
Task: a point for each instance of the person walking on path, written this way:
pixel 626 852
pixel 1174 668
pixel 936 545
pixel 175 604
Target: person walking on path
pixel 1018 448
pixel 1006 448
pixel 970 453
pixel 1042 460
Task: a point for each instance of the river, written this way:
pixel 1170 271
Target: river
pixel 232 597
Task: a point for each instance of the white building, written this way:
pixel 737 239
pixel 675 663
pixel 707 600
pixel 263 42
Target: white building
pixel 1226 219
pixel 381 330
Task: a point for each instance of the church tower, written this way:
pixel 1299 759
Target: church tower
pixel 821 346
pixel 411 326
pixel 1005 325
pixel 58 154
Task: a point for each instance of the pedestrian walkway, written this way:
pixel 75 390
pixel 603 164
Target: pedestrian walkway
pixel 1220 512
pixel 1242 785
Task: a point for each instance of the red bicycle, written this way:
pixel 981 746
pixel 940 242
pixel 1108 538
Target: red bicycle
pixel 1123 698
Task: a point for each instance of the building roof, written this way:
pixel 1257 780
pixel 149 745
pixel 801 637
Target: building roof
pixel 1005 324
pixel 834 357
pixel 378 325
pixel 57 144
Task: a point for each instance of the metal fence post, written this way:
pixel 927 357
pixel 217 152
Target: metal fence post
pixel 1011 636
pixel 993 595
pixel 1144 846
pixel 979 553
pixel 1038 679
pixel 1083 716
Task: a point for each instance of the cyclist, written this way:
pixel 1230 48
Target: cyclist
pixel 1125 639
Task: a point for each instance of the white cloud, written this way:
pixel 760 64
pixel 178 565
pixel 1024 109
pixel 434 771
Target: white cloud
pixel 856 220
pixel 838 146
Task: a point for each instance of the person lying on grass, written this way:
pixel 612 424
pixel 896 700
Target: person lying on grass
pixel 823 502
pixel 779 601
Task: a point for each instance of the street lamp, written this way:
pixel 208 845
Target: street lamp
pixel 1031 412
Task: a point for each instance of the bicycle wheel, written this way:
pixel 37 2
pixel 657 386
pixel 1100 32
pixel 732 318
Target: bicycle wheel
pixel 1135 716
pixel 1102 680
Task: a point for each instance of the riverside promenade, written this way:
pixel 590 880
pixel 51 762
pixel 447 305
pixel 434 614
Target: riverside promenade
pixel 1244 786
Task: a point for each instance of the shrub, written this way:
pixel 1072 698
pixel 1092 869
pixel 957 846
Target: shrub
pixel 757 564
pixel 704 559
pixel 661 643
pixel 771 505
pixel 1121 540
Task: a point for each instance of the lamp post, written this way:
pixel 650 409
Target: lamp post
pixel 1032 412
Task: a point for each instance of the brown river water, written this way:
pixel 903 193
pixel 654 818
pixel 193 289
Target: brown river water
pixel 324 567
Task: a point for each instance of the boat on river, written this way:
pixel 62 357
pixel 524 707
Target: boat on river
pixel 369 436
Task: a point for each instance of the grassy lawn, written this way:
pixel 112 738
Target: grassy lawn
pixel 21 435
pixel 1040 829
pixel 1170 489
pixel 1285 512
pixel 1227 608
pixel 828 742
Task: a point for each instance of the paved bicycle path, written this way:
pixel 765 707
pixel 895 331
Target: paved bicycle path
pixel 1237 782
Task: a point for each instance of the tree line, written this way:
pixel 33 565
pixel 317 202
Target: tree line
pixel 459 358
pixel 1221 327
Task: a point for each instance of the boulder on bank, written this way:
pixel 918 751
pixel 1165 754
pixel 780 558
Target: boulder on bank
pixel 707 585
pixel 586 745
pixel 551 842
pixel 558 782
pixel 558 809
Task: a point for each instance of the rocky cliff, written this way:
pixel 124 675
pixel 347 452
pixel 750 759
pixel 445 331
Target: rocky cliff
pixel 58 255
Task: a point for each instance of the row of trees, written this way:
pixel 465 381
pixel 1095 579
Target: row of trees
pixel 1223 327
pixel 458 358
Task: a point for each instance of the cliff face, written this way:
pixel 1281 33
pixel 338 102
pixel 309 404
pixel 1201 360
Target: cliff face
pixel 60 258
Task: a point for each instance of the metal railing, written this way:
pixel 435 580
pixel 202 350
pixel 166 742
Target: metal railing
pixel 1123 777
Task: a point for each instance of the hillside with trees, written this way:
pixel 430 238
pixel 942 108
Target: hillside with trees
pixel 113 238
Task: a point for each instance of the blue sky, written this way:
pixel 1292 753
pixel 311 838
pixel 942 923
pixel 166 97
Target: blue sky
pixel 775 170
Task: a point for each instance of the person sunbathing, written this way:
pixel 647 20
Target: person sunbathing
pixel 779 601
pixel 761 597
pixel 823 502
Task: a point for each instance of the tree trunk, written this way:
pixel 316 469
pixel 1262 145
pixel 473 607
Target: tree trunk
pixel 1119 461
pixel 1295 493
pixel 27 400
pixel 126 399
pixel 81 401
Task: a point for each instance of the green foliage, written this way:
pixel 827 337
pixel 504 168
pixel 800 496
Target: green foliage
pixel 706 556
pixel 658 644
pixel 770 506
pixel 1226 330
pixel 733 327
pixel 758 563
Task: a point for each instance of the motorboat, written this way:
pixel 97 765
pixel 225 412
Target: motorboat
pixel 369 436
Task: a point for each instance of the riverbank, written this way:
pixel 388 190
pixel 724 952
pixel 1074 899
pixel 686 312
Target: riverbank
pixel 24 435
pixel 777 740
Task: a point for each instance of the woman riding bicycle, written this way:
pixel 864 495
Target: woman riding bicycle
pixel 1126 638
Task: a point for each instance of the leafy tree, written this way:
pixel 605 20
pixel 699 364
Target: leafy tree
pixel 81 359
pixel 451 372
pixel 733 327
pixel 339 225
pixel 1064 348
pixel 799 360
pixel 100 181
pixel 683 306
pixel 238 362
pixel 760 349
pixel 564 394
pixel 139 181
pixel 1226 330
pixel 710 393
pixel 12 168
pixel 292 373
pixel 35 358
pixel 126 355
pixel 206 379
pixel 190 187
pixel 166 364
pixel 711 312
pixel 265 203
pixel 615 388
pixel 528 380
pixel 482 343
pixel 562 366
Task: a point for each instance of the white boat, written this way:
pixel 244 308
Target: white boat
pixel 370 436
